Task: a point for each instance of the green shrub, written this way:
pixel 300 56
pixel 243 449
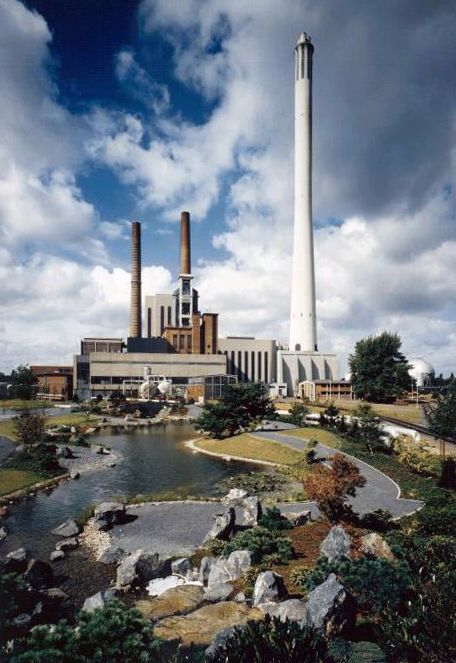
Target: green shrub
pixel 112 634
pixel 273 520
pixel 263 544
pixel 415 456
pixel 438 516
pixel 297 414
pixel 379 520
pixel 272 641
pixel 374 583
pixel 299 577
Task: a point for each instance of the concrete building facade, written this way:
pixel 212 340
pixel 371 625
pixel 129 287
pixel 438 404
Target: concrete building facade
pixel 250 359
pixel 296 367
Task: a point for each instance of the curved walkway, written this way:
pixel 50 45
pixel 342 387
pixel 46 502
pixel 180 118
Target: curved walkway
pixel 380 491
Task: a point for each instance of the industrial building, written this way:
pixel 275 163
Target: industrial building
pixel 182 345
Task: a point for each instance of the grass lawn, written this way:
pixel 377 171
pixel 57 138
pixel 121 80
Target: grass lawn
pixel 11 480
pixel 313 433
pixel 7 427
pixel 252 447
pixel 410 414
pixel 19 404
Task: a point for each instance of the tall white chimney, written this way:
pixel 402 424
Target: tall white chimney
pixel 303 323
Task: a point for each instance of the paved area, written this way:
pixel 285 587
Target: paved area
pixel 169 528
pixel 380 492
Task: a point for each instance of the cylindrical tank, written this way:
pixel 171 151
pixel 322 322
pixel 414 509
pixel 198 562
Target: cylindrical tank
pixel 421 372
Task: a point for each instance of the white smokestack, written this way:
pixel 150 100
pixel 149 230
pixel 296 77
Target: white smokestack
pixel 303 323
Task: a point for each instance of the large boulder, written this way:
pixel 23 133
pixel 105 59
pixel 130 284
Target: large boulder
pixel 337 544
pixel 235 497
pixel 67 544
pixel 252 511
pixel 205 568
pixel 140 567
pixel 175 601
pixel 98 600
pixel 299 519
pixel 269 587
pixel 293 609
pixel 57 555
pixel 218 592
pixel 39 574
pixel 108 514
pixel 223 526
pixel 329 607
pixel 15 561
pixel 67 529
pixel 201 626
pixel 374 545
pixel 181 566
pixel 111 555
pixel 230 568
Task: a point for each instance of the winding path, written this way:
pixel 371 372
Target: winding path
pixel 380 491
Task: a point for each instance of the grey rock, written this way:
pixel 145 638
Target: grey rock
pixel 293 609
pixel 65 452
pixel 15 561
pixel 181 566
pixel 220 640
pixel 252 511
pixel 337 544
pixel 67 544
pixel 39 574
pixel 3 533
pixel 57 555
pixel 22 621
pixel 218 592
pixel 55 594
pixel 299 519
pixel 269 587
pixel 230 568
pixel 140 567
pixel 111 555
pixel 74 474
pixel 223 526
pixel 205 569
pixel 73 430
pixel 235 497
pixel 67 529
pixel 329 607
pixel 111 464
pixel 240 597
pixel 108 514
pixel 98 600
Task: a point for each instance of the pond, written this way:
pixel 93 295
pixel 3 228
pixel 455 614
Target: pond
pixel 154 460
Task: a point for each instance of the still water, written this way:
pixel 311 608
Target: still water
pixel 154 460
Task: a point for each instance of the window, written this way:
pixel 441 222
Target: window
pixel 181 342
pixel 252 356
pixel 186 308
pixel 246 365
pixel 149 322
pixel 259 367
pixel 162 319
pixel 175 341
pixel 239 372
pixel 185 287
pixel 169 315
pixel 266 367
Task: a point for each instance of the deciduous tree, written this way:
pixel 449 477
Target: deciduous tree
pixel 331 488
pixel 379 370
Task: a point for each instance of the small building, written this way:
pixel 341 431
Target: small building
pixel 294 367
pixel 208 387
pixel 278 390
pixel 54 382
pixel 325 390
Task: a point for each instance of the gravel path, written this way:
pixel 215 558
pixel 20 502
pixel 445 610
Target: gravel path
pixel 380 492
pixel 87 460
pixel 169 528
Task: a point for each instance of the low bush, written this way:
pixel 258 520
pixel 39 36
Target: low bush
pixel 299 578
pixel 374 583
pixel 114 634
pixel 415 456
pixel 273 520
pixel 274 641
pixel 265 545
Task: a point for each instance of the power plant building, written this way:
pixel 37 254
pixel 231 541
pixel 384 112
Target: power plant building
pixel 182 344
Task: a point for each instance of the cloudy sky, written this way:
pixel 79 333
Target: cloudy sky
pixel 114 111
